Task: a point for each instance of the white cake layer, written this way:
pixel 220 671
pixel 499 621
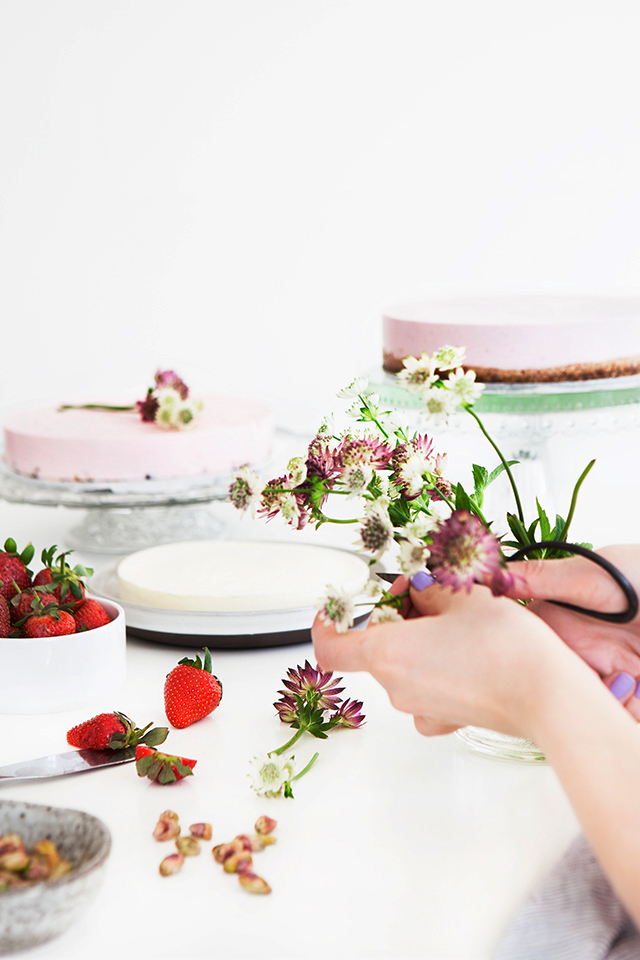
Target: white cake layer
pixel 517 332
pixel 229 576
pixel 86 445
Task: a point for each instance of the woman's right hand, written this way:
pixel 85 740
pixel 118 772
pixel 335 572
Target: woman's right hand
pixel 613 650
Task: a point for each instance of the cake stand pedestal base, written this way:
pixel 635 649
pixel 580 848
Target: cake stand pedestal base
pixel 126 529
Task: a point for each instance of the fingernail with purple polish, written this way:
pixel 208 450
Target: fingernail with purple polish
pixel 422 579
pixel 622 684
pixel 637 690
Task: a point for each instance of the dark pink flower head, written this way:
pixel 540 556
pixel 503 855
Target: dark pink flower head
pixel 169 378
pixel 348 714
pixel 321 459
pixel 313 686
pixel 148 407
pixel 286 708
pixel 463 552
pixel 366 450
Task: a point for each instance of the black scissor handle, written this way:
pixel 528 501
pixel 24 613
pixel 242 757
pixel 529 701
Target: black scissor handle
pixel 630 594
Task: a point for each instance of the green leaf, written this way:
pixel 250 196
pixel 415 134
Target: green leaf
pixel 499 469
pixel 143 764
pixel 462 499
pixel 155 736
pixel 545 526
pixel 27 554
pixel 155 767
pixel 10 545
pixel 288 792
pixel 76 590
pixel 517 529
pixel 207 661
pixel 181 767
pixel 480 480
pixel 166 774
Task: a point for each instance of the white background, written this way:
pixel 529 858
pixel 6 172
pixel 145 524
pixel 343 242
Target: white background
pixel 245 185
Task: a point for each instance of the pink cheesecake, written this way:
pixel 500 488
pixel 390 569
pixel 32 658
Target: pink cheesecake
pixel 521 339
pixel 95 445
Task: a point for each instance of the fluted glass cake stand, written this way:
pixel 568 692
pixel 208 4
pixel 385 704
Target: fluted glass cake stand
pixel 123 517
pixel 523 419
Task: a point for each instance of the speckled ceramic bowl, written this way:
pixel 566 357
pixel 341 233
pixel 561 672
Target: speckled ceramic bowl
pixel 36 914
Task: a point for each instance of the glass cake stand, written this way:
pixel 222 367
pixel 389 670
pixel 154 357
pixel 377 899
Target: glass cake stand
pixel 123 517
pixel 524 420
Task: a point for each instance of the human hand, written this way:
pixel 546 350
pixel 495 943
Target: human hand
pixel 613 650
pixel 456 659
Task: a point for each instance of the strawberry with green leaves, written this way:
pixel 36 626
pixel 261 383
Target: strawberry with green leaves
pixel 66 582
pixel 162 767
pixel 14 575
pixel 47 619
pixel 191 691
pixel 113 731
pixel 5 618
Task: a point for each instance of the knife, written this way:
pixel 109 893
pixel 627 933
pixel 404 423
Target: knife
pixel 76 761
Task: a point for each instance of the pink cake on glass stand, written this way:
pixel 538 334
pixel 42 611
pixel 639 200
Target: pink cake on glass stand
pixel 116 466
pixel 521 339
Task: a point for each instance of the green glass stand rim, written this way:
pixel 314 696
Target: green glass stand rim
pixel 531 398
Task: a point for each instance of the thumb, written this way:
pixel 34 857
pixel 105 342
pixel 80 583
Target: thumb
pixel 570 579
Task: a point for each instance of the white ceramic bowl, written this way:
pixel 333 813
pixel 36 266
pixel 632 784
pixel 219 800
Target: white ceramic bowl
pixel 55 674
pixel 36 914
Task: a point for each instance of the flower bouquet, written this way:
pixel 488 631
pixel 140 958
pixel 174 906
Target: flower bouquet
pixel 404 500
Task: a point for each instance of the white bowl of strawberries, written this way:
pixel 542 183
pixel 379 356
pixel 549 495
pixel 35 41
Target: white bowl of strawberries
pixel 59 648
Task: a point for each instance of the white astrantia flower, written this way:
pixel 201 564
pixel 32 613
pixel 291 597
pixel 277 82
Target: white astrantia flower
pixel 439 403
pixel 297 467
pixel 464 385
pixel 376 530
pixel 385 614
pixel 446 358
pixel 186 414
pixel 168 397
pixel 289 508
pixel 411 474
pixel 337 608
pixel 356 478
pixel 417 530
pixel 355 388
pixel 412 557
pixel 374 589
pixel 355 410
pixel 418 373
pixel 270 773
pixel 245 492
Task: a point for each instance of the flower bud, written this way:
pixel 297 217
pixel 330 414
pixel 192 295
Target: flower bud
pixel 166 829
pixel 171 864
pixel 203 831
pixel 237 862
pixel 188 846
pixel 265 825
pixel 253 884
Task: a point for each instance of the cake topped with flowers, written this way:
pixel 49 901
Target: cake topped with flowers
pixel 167 434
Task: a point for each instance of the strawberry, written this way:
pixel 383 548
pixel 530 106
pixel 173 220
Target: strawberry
pixel 113 731
pixel 50 622
pixel 26 602
pixel 5 618
pixel 90 615
pixel 191 691
pixel 69 588
pixel 162 766
pixel 14 575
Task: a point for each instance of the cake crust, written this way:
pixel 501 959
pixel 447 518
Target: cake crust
pixel 620 367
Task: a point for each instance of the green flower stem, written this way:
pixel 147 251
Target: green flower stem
pixel 306 769
pixel 92 406
pixel 503 461
pixel 372 419
pixel 289 743
pixel 574 499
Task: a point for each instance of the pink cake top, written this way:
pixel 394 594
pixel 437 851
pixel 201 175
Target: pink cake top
pixel 517 332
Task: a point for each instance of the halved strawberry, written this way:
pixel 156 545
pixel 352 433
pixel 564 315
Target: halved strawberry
pixel 162 767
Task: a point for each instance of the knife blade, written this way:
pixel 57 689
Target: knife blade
pixel 59 764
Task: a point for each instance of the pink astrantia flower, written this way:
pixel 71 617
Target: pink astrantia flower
pixel 148 407
pixel 313 685
pixel 366 450
pixel 348 714
pixel 463 552
pixel 169 378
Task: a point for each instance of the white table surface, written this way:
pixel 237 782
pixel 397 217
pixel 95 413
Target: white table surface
pixel 394 846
